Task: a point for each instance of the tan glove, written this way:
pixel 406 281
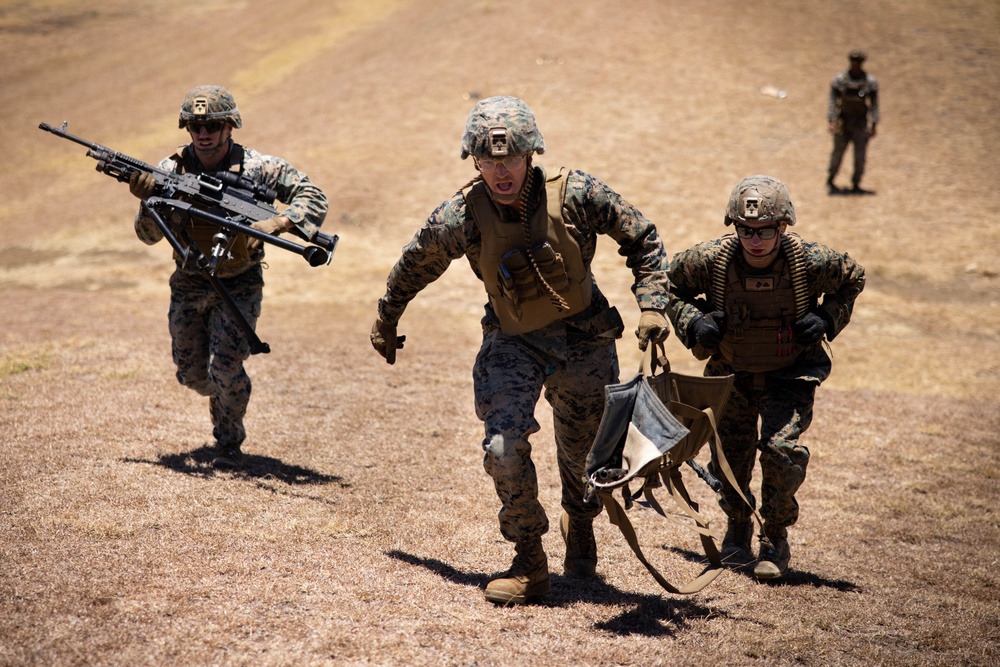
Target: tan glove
pixel 141 185
pixel 385 341
pixel 652 327
pixel 275 225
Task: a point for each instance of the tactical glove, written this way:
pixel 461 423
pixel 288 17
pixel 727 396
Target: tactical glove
pixel 385 341
pixel 708 329
pixel 274 225
pixel 141 185
pixel 652 327
pixel 810 328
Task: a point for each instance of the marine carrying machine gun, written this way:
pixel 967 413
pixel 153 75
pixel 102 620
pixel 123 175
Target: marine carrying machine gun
pixel 223 198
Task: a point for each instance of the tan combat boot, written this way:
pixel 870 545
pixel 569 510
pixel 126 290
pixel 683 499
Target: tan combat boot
pixel 527 577
pixel 736 543
pixel 772 561
pixel 581 548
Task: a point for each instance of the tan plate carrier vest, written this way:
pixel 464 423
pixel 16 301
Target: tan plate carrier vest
pixel 760 309
pixel 531 282
pixel 852 98
pixel 237 256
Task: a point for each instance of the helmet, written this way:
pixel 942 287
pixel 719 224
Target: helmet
pixel 760 199
pixel 500 126
pixel 206 103
pixel 857 54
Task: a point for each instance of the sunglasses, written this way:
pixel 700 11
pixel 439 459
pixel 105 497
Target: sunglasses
pixel 763 233
pixel 487 165
pixel 211 128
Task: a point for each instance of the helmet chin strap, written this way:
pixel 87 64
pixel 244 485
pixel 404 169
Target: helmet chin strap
pixel 220 150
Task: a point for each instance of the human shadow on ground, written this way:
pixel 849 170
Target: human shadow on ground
pixel 199 463
pixel 792 577
pixel 849 192
pixel 650 615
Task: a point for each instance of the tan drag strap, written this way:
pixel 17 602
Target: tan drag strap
pixel 672 480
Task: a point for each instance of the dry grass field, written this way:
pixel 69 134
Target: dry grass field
pixel 363 528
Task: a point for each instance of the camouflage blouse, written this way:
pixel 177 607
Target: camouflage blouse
pixel 835 280
pixel 589 208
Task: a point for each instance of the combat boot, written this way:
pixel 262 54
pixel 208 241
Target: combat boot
pixel 581 548
pixel 736 543
pixel 527 577
pixel 228 456
pixel 772 561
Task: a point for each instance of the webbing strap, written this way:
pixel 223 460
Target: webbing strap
pixel 675 485
pixel 678 492
pixel 620 518
pixel 727 471
pixel 791 244
pixel 701 523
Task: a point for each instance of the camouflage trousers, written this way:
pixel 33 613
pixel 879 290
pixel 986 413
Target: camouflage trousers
pixel 209 347
pixel 854 132
pixel 509 376
pixel 784 410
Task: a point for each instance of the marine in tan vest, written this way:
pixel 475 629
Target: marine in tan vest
pixel 530 236
pixel 762 304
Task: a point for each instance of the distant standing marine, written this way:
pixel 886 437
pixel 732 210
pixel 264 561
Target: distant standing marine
pixel 853 117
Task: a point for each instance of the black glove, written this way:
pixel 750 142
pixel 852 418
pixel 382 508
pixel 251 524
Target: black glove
pixel 810 328
pixel 385 341
pixel 708 329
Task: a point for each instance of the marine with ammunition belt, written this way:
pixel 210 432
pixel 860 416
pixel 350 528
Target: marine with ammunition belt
pixel 530 237
pixel 758 304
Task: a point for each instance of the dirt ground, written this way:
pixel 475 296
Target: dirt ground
pixel 363 528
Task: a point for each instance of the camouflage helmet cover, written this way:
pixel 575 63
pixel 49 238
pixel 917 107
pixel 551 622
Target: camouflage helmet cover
pixel 857 54
pixel 499 126
pixel 208 103
pixel 760 199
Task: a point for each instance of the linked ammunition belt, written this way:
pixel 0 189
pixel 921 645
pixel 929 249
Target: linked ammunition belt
pixel 791 245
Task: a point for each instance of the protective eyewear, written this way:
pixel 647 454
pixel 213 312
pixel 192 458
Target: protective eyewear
pixel 763 233
pixel 211 127
pixel 512 162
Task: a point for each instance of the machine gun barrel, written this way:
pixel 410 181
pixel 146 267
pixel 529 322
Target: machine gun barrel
pixel 114 164
pixel 313 254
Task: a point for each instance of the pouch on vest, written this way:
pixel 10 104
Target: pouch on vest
pixel 651 425
pixel 550 265
pixel 517 278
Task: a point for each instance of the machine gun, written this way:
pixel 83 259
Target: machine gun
pixel 223 198
pixel 242 199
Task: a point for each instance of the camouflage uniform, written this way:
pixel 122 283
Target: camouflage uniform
pixel 572 359
pixel 781 399
pixel 853 106
pixel 209 347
